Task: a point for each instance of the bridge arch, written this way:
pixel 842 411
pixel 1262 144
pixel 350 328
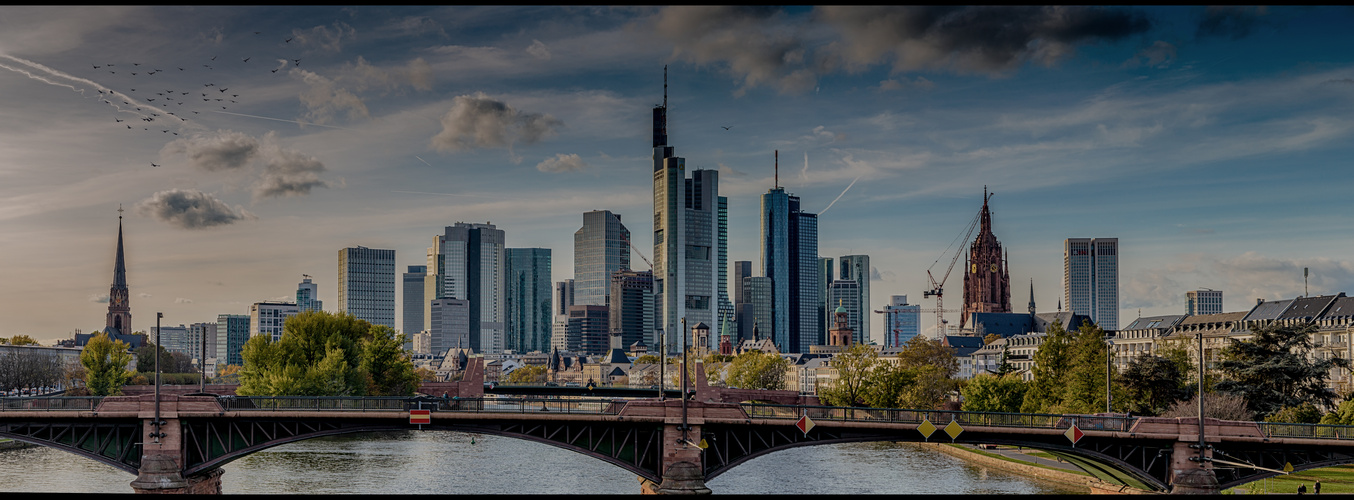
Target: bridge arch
pixel 115 443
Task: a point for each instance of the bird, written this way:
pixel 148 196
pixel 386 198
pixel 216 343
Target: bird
pixel 287 40
pixel 246 59
pixel 129 127
pixel 95 67
pixel 133 74
pixel 113 72
pixel 213 58
pixel 257 32
pixel 136 64
pixel 118 119
pixel 223 90
pixel 195 112
pixel 150 100
pixel 209 84
pixel 133 90
pixel 153 164
pixel 298 61
pixel 726 128
pixel 275 71
pixel 180 69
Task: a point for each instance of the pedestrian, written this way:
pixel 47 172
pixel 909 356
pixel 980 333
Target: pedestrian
pixel 1302 488
pixel 1316 488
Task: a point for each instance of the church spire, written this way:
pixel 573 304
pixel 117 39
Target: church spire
pixel 1031 296
pixel 120 266
pixel 119 319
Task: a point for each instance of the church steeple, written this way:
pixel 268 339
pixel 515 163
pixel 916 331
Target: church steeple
pixel 987 282
pixel 1031 296
pixel 119 320
pixel 120 265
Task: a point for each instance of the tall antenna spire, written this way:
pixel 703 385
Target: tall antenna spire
pixel 777 182
pixel 665 86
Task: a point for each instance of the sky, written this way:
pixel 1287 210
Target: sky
pixel 248 145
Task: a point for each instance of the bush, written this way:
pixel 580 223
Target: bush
pixel 1305 413
pixel 1217 405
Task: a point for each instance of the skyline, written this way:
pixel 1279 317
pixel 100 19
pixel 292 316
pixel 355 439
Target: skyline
pixel 1207 140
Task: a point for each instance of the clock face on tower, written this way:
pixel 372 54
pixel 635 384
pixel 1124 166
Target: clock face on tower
pixel 974 269
pixel 994 268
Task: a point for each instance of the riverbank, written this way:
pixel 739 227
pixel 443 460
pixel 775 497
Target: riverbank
pixel 1034 470
pixel 10 444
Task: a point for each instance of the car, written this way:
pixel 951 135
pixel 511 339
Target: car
pixel 571 384
pixel 551 384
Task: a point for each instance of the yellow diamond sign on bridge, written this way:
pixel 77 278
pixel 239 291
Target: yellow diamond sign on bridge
pixel 926 428
pixel 953 430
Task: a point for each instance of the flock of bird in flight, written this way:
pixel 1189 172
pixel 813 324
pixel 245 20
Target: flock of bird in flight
pixel 170 97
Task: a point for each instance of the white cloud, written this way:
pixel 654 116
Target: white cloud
pixel 479 121
pixel 539 50
pixel 561 163
pixel 181 300
pixel 99 299
pixel 144 295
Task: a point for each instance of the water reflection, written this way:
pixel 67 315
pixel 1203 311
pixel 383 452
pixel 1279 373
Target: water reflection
pixel 415 462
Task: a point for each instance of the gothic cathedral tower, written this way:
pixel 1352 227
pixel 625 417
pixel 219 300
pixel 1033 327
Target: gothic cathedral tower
pixel 119 309
pixel 987 284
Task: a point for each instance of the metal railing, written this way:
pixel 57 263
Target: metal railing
pixel 940 418
pixel 472 405
pixel 61 403
pixel 1310 431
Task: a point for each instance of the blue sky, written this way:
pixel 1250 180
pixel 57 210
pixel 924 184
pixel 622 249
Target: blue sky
pixel 1213 142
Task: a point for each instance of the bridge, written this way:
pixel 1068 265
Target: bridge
pixel 672 445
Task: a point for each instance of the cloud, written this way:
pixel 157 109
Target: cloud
pixel 190 209
pixel 323 37
pixel 727 171
pixel 538 50
pixel 1160 55
pixel 181 300
pixel 874 274
pixel 562 163
pixel 1235 22
pixel 822 136
pixel 289 173
pixel 754 43
pixel 98 299
pixel 324 98
pixel 144 295
pixel 1245 277
pixel 478 121
pixel 222 150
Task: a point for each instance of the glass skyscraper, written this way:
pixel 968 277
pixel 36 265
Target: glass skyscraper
pixel 468 261
pixel 412 301
pixel 307 295
pixel 789 255
pixel 528 300
pixel 366 287
pixel 857 268
pixel 901 321
pixel 1091 279
pixel 600 249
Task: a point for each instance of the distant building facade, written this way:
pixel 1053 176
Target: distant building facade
pixel 412 301
pixel 902 321
pixel 857 268
pixel 528 316
pixel 789 254
pixel 600 249
pixel 1091 279
pixel 232 331
pixel 1203 301
pixel 366 287
pixel 307 296
pixel 469 262
pixel 268 318
pixel 631 313
pixel 845 295
pixel 449 325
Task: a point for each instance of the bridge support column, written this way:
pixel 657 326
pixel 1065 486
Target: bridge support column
pixel 161 459
pixel 682 470
pixel 1189 477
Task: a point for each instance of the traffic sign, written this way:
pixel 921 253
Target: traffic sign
pixel 1074 434
pixel 804 424
pixel 926 428
pixel 1288 466
pixel 953 429
pixel 420 417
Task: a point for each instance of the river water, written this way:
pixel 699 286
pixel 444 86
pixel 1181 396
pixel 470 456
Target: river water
pixel 443 462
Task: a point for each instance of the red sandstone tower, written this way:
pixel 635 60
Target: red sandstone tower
pixel 987 284
pixel 841 333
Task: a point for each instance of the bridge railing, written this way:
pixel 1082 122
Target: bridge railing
pixel 939 418
pixel 1311 431
pixel 472 405
pixel 62 403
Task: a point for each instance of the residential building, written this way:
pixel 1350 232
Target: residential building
pixel 1091 279
pixel 987 281
pixel 901 321
pixel 203 333
pixel 857 268
pixel 366 286
pixel 1141 336
pixel 307 295
pixel 601 247
pixel 1203 301
pixel 232 331
pixel 412 301
pixel 268 318
pixel 528 315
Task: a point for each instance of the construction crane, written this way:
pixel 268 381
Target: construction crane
pixel 941 319
pixel 641 256
pixel 938 287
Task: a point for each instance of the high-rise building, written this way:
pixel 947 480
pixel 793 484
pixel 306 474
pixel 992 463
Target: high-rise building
pixel 268 318
pixel 1204 301
pixel 232 331
pixel 741 269
pixel 366 286
pixel 631 313
pixel 758 314
pixel 600 248
pixel 827 273
pixel 468 261
pixel 987 282
pixel 789 255
pixel 845 294
pixel 587 329
pixel 1091 279
pixel 901 321
pixel 412 301
pixel 307 295
pixel 175 339
pixel 203 333
pixel 687 229
pixel 449 325
pixel 562 299
pixel 528 314
pixel 857 268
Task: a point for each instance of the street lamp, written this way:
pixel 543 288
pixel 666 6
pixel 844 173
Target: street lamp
pixel 1109 358
pixel 662 363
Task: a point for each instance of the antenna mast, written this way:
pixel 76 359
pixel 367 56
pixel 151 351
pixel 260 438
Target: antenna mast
pixel 665 86
pixel 777 186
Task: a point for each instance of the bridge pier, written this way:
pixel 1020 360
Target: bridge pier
pixel 162 458
pixel 1192 477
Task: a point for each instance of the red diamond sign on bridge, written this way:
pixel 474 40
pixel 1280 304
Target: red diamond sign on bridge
pixel 804 424
pixel 1074 434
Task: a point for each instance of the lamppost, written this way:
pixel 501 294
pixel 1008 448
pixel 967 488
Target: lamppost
pixel 662 363
pixel 202 362
pixel 1202 444
pixel 1109 359
pixel 156 423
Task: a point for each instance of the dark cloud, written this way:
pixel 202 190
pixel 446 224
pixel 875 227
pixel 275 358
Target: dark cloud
pixel 190 209
pixel 1230 21
pixel 289 173
pixel 755 43
pixel 479 121
pixel 223 150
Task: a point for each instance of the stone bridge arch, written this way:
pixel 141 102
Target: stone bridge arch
pixel 116 443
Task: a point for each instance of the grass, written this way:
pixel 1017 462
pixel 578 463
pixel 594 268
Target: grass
pixel 1009 459
pixel 1338 479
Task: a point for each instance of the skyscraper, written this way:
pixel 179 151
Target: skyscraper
pixel 600 248
pixel 687 229
pixel 845 294
pixel 1091 279
pixel 901 321
pixel 412 301
pixel 269 318
pixel 857 268
pixel 449 325
pixel 528 314
pixel 631 313
pixel 587 329
pixel 789 255
pixel 232 331
pixel 468 261
pixel 366 286
pixel 758 302
pixel 742 325
pixel 307 295
pixel 987 282
pixel 1204 301
pixel 563 297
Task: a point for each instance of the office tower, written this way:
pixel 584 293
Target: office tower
pixel 790 258
pixel 1204 301
pixel 232 331
pixel 449 325
pixel 687 229
pixel 562 299
pixel 846 294
pixel 901 321
pixel 741 269
pixel 307 295
pixel 726 314
pixel 759 312
pixel 631 313
pixel 204 332
pixel 827 273
pixel 600 248
pixel 857 268
pixel 587 329
pixel 174 339
pixel 366 287
pixel 987 282
pixel 1091 279
pixel 468 261
pixel 268 318
pixel 528 315
pixel 412 301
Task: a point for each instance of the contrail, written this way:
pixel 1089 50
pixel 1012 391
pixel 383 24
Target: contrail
pixel 425 162
pixel 40 78
pixel 298 122
pixel 59 74
pixel 448 194
pixel 834 202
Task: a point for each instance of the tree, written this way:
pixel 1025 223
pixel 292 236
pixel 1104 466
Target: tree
pixel 758 370
pixel 647 359
pixel 990 338
pixel 1217 405
pixel 1052 362
pixel 853 367
pixel 994 393
pixel 888 383
pixel 324 354
pixel 105 363
pixel 388 367
pixel 1085 377
pixel 1305 413
pixel 933 367
pixel 920 351
pixel 1153 383
pixel 530 374
pixel 22 340
pixel 1275 369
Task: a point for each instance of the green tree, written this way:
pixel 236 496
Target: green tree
pixel 105 362
pixel 324 354
pixel 994 393
pixel 1153 383
pixel 1052 363
pixel 22 340
pixel 1305 413
pixel 758 370
pixel 854 368
pixel 530 374
pixel 647 359
pixel 388 367
pixel 887 384
pixel 1343 415
pixel 920 351
pixel 1085 377
pixel 145 359
pixel 933 367
pixel 1275 369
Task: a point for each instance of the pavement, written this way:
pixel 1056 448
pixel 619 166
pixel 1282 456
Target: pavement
pixel 1023 456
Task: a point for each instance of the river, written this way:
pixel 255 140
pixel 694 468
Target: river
pixel 443 462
